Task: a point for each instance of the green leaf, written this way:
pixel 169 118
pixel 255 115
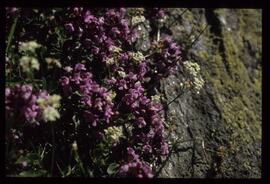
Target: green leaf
pixel 20 160
pixel 33 156
pixel 30 158
pixel 11 33
pixel 32 173
pixel 112 168
pixel 77 93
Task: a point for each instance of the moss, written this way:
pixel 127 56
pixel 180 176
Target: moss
pixel 204 55
pixel 233 90
pixel 229 57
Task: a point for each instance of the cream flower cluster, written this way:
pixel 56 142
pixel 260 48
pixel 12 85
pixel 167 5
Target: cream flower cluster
pixel 137 19
pixel 137 56
pixel 29 63
pixel 49 107
pixel 115 53
pixel 29 46
pixel 51 62
pixel 155 98
pixel 113 134
pixel 193 69
pixel 111 96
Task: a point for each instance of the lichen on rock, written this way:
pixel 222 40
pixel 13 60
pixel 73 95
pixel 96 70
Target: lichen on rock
pixel 224 121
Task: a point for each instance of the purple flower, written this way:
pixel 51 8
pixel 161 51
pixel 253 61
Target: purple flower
pixel 122 84
pixel 27 91
pixel 93 97
pixel 98 103
pixel 147 149
pixel 86 100
pixel 25 97
pixel 95 88
pixel 115 30
pixel 68 69
pixel 112 81
pixel 140 122
pixel 160 14
pixel 64 81
pixel 101 20
pixel 144 100
pixel 77 78
pixel 132 76
pixel 7 92
pixel 131 153
pixel 124 168
pixel 69 27
pixel 108 113
pixel 164 148
pixel 110 13
pixel 109 42
pixel 95 50
pixel 43 94
pixel 142 69
pixel 79 67
pixel 30 114
pixel 136 169
pixel 88 17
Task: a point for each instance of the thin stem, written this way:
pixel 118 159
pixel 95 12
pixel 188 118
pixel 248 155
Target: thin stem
pixel 174 99
pixel 81 164
pixel 183 12
pixel 11 33
pixel 158 35
pixel 59 168
pixel 53 147
pixel 179 95
pixel 191 32
pixel 177 17
pixel 198 36
pixel 69 162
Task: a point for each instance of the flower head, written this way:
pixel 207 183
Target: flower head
pixel 50 114
pixel 29 46
pixel 29 63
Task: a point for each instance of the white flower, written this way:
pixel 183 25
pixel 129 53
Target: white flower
pixel 122 74
pixel 54 101
pixel 111 96
pixel 198 83
pixel 192 68
pixel 74 146
pixel 28 63
pixel 28 46
pixel 155 98
pixel 113 133
pixel 41 102
pixel 50 114
pixel 110 61
pixel 115 49
pixel 53 62
pixel 136 11
pixel 137 19
pixel 137 56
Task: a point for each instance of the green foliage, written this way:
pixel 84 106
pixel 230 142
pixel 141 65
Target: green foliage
pixel 112 168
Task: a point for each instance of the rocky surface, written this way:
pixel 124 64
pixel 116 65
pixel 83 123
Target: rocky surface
pixel 220 128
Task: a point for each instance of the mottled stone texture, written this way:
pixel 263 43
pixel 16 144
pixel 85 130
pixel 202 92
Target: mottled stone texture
pixel 220 127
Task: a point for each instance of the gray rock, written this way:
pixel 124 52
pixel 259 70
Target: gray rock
pixel 220 128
